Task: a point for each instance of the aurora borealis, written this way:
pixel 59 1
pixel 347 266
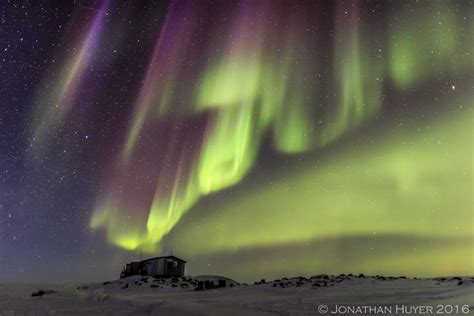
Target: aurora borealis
pixel 254 138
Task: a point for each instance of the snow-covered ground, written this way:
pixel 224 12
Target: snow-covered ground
pixel 295 296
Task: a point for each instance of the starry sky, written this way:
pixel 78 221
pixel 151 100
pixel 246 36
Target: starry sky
pixel 254 139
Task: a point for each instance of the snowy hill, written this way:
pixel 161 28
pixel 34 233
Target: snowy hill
pixel 139 295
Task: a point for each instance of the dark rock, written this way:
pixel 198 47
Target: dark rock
pixel 402 277
pixel 282 284
pixel 460 282
pixel 174 285
pixel 155 285
pixel 262 281
pixel 200 286
pixel 361 276
pixel 221 283
pixel 38 293
pixel 82 287
pixel 316 285
pixel 208 285
pixel 320 276
pixel 125 286
pixel 105 283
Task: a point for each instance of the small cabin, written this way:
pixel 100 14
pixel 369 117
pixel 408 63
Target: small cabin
pixel 165 266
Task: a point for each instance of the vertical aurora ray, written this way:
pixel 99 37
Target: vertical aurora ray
pixel 167 209
pixel 294 130
pixel 229 149
pixel 55 100
pixel 294 114
pixel 358 74
pixel 232 89
pixel 177 190
pixel 161 75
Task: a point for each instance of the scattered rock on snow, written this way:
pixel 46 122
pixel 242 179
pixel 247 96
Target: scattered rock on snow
pixel 42 292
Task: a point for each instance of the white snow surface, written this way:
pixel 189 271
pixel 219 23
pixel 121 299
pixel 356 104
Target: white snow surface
pixel 288 296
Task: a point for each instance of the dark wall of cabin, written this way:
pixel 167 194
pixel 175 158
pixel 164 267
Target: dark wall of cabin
pixel 174 269
pixel 156 267
pixel 135 268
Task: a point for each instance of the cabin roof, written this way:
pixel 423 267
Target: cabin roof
pixel 165 257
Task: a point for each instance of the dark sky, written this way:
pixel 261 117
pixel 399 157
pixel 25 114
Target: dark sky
pixel 252 138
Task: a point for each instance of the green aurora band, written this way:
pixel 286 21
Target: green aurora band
pixel 401 185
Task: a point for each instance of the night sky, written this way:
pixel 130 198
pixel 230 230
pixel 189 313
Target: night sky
pixel 254 139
